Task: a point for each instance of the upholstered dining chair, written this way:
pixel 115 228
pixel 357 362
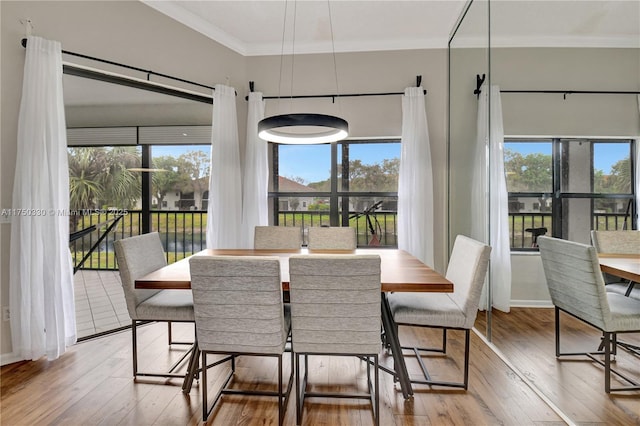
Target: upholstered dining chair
pixel 331 238
pixel 137 256
pixel 618 242
pixel 335 310
pixel 576 287
pixel 277 238
pixel 239 311
pixel 456 311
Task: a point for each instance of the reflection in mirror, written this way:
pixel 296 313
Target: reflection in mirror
pixel 468 57
pixel 580 145
pixel 93 103
pixel 118 138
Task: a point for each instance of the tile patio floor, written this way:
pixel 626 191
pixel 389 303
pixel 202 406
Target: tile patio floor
pixel 100 304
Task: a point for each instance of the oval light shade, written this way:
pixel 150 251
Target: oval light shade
pixel 303 128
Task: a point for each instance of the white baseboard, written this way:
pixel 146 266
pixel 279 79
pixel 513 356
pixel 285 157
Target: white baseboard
pixel 531 304
pixel 9 358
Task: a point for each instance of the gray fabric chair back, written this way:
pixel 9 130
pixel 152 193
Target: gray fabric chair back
pixel 574 279
pixel 467 271
pixel 331 238
pixel 277 238
pixel 335 303
pixel 625 242
pixel 138 256
pixel 238 304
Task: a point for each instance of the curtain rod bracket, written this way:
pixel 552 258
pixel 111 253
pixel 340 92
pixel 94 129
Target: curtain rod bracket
pixel 28 26
pixel 418 80
pixel 479 82
pixel 251 86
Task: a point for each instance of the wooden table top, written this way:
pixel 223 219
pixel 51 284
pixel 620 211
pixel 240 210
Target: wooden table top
pixel 625 266
pixel 400 271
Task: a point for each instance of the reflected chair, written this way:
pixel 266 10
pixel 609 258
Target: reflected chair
pixel 332 238
pixel 277 238
pixel 137 256
pixel 456 311
pixel 618 242
pixel 335 310
pixel 577 288
pixel 239 311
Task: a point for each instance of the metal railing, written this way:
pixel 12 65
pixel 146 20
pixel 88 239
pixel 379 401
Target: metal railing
pixel 384 223
pixel 522 240
pixel 184 232
pixel 518 222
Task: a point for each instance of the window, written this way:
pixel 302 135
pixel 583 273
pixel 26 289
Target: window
pixel 569 187
pixel 105 177
pixel 334 184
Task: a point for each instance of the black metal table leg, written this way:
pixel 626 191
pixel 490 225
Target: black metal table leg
pixel 192 370
pixel 396 351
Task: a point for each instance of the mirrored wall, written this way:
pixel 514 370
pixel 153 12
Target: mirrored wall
pixel 569 77
pixel 468 58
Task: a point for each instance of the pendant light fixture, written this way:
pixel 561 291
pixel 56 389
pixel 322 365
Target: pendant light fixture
pixel 303 128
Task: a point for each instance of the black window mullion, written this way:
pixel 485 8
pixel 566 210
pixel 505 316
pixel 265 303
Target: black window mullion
pixel 333 198
pixel 345 184
pixel 146 187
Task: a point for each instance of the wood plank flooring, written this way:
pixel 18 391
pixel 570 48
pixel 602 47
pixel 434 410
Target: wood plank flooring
pixel 92 385
pixel 574 384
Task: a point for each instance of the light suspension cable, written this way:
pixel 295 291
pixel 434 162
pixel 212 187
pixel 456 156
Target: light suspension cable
pixel 303 128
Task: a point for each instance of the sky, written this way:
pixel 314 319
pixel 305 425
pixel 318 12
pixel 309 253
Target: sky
pixel 313 162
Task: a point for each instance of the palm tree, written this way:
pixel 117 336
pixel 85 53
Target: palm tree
pixel 85 185
pixel 122 186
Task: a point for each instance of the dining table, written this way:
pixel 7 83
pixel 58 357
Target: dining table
pixel 625 266
pixel 399 272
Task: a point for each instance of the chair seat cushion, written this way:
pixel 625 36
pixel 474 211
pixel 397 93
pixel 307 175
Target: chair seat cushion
pixel 621 288
pixel 625 313
pixel 167 305
pixel 427 309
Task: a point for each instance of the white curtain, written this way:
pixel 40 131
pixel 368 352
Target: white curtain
pixel 637 164
pixel 415 181
pixel 41 273
pixel 256 174
pixel 224 212
pixel 490 204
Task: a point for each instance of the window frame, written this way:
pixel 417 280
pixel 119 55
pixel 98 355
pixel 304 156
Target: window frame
pixel 336 217
pixel 558 195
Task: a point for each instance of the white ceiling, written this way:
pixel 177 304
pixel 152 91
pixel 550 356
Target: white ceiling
pixel 256 27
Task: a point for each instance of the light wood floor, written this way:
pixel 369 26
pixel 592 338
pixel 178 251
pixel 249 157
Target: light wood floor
pixel 92 384
pixel 575 385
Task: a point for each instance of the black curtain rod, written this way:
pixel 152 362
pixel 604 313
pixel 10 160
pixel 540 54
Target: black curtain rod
pixel 480 80
pixel 571 92
pixel 334 96
pixel 148 72
pixel 123 81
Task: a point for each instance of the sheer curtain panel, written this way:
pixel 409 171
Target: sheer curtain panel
pixel 490 220
pixel 256 174
pixel 415 181
pixel 224 212
pixel 41 277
